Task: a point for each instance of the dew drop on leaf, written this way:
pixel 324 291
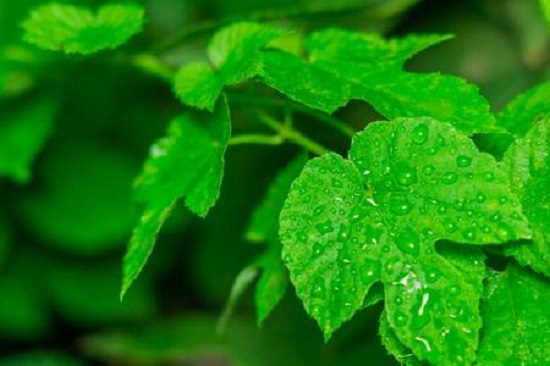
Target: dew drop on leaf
pixel 420 134
pixel 405 174
pixel 325 227
pixel 400 318
pixel 449 178
pixel 463 161
pixel 408 241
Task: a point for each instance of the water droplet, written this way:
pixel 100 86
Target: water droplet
pixel 405 174
pixel 400 318
pixel 469 233
pixel 449 178
pixel 408 241
pixel 433 275
pixel 325 227
pixel 428 169
pixel 400 206
pixel 489 176
pixel 370 270
pixel 504 232
pixel 346 261
pixel 503 199
pixel 480 197
pixel 319 210
pixel 420 134
pixel 463 161
pixel 454 290
pixel 317 249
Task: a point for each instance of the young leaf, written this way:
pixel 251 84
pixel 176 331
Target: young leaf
pixel 520 114
pixel 516 319
pixel 23 133
pixel 528 162
pixel 75 29
pixel 348 224
pixel 198 85
pixel 188 163
pixel 242 282
pixel 264 227
pixel 235 50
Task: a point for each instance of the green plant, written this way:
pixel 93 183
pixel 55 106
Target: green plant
pixel 415 215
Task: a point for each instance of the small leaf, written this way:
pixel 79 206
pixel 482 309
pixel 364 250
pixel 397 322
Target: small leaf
pixel 264 224
pixel 528 162
pixel 197 85
pixel 348 224
pixel 75 29
pixel 520 114
pixel 242 282
pixel 188 163
pixel 516 319
pixel 23 133
pixel 264 227
pixel 235 50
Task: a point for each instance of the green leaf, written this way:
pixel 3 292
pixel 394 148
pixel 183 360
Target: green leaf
pixel 545 6
pixel 528 162
pixel 235 50
pixel 394 346
pixel 338 44
pixel 197 85
pixel 303 82
pixel 242 282
pixel 516 319
pixel 520 114
pixel 23 133
pixel 348 224
pixel 264 223
pixel 75 29
pixel 188 163
pixel 264 227
pixel 272 284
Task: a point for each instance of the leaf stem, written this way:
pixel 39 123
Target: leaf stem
pixel 289 133
pixel 256 139
pixel 247 98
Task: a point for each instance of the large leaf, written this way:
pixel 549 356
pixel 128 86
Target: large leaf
pixel 348 224
pixel 528 162
pixel 188 163
pixel 516 319
pixel 351 65
pixel 75 29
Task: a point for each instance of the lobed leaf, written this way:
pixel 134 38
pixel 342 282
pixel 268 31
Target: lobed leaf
pixel 76 29
pixel 235 50
pixel 516 319
pixel 348 224
pixel 197 85
pixel 528 163
pixel 188 163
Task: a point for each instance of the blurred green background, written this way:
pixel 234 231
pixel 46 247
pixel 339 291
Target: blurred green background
pixel 63 229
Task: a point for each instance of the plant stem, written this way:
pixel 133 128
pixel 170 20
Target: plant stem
pixel 256 139
pixel 247 98
pixel 288 133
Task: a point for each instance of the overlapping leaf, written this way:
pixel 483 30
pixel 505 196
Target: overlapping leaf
pixel 348 224
pixel 528 162
pixel 75 29
pixel 516 319
pixel 234 53
pixel 188 163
